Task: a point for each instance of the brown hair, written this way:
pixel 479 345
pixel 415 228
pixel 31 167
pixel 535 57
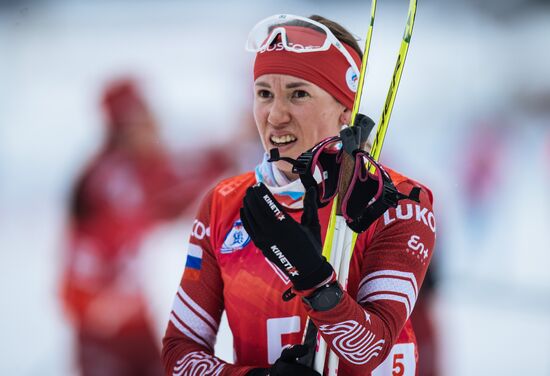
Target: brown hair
pixel 339 32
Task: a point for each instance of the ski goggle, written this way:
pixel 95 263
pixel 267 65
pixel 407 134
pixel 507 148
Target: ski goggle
pixel 296 34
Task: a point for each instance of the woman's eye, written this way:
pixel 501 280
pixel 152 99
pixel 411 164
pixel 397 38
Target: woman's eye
pixel 300 94
pixel 264 94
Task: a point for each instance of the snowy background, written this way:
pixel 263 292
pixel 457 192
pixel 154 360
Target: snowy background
pixel 476 82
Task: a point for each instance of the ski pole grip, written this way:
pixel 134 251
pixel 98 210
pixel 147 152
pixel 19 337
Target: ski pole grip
pixel 352 138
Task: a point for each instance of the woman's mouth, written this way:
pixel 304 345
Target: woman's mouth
pixel 280 141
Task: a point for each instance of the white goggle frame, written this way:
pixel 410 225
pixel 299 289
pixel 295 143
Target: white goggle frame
pixel 260 38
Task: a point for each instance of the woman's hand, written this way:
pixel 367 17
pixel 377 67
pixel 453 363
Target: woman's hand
pixel 287 364
pixel 293 247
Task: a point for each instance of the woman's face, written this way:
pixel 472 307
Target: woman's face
pixel 293 115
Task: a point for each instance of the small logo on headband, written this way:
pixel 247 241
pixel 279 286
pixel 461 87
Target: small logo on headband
pixel 352 79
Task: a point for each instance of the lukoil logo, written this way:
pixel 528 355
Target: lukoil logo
pixel 408 211
pixel 199 230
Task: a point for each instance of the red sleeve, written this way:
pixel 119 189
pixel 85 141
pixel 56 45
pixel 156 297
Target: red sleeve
pixel 188 344
pixel 363 331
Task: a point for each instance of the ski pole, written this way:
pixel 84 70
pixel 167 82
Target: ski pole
pixel 350 237
pixel 334 240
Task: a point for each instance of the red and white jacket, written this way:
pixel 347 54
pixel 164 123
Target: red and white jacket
pixel 369 329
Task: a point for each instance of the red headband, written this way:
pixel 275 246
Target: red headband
pixel 327 69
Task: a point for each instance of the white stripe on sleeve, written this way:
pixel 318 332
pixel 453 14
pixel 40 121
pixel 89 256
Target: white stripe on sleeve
pixel 389 285
pixel 187 332
pixel 196 322
pixel 205 315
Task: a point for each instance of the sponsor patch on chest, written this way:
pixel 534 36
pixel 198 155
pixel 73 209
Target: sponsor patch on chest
pixel 236 239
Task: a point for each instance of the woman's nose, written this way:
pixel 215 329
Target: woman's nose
pixel 279 112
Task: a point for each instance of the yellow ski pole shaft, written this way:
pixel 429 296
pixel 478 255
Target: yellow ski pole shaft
pixel 333 247
pixel 394 85
pixel 349 237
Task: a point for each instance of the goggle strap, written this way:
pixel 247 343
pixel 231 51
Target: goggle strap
pixel 374 211
pixel 300 166
pixel 414 194
pixel 362 177
pixel 303 163
pixel 390 198
pixel 275 156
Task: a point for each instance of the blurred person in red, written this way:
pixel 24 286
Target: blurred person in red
pixel 482 168
pixel 129 187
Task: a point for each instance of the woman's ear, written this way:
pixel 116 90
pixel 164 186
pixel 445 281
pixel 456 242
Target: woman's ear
pixel 345 116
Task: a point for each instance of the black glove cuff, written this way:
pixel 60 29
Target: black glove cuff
pixel 322 273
